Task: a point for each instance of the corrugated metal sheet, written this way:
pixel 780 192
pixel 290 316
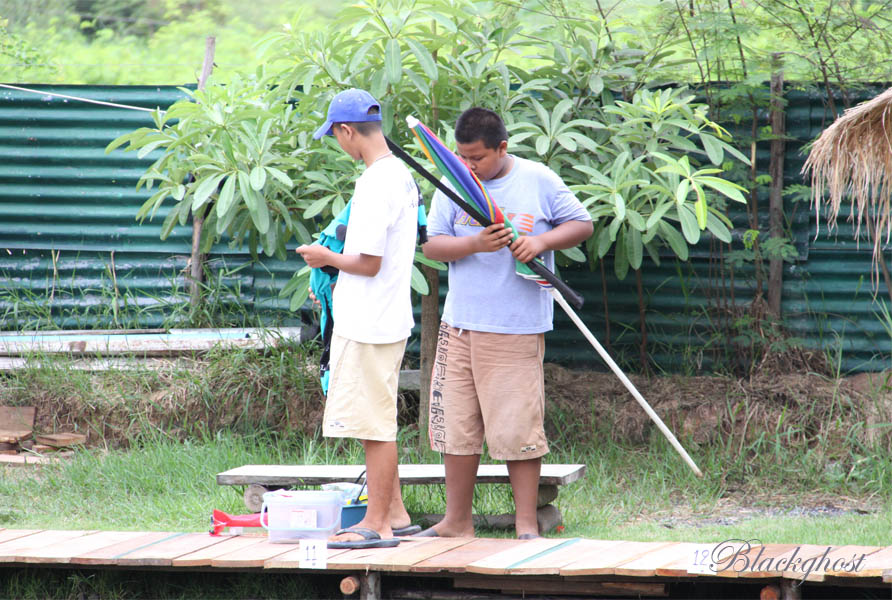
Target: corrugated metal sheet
pixel 58 188
pixel 67 220
pixel 71 249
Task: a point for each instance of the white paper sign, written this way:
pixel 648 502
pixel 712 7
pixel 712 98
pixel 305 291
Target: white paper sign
pixel 302 518
pixel 313 554
pixel 701 560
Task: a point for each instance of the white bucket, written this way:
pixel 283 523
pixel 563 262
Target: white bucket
pixel 292 515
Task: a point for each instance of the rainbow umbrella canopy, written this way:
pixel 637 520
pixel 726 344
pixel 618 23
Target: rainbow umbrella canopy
pixel 478 203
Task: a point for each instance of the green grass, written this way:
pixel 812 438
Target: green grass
pixel 633 494
pixel 159 484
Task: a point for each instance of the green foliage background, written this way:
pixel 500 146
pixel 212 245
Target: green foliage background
pixel 162 41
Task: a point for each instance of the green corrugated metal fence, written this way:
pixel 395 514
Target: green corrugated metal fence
pixel 70 248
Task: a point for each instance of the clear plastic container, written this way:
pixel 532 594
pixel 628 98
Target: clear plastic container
pixel 293 515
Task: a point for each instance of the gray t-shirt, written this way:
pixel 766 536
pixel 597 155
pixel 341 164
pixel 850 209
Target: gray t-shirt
pixel 485 294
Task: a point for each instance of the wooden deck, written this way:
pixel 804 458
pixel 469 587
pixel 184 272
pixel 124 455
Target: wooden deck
pixel 547 565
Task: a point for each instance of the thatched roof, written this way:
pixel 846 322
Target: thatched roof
pixel 853 157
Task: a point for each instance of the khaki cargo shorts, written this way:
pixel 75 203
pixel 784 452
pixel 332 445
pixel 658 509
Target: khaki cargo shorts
pixel 488 386
pixel 362 391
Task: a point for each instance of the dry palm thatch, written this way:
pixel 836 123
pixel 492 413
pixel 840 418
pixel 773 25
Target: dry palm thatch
pixel 853 157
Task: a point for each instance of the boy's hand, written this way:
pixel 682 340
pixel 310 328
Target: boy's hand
pixel 527 247
pixel 313 299
pixel 314 255
pixel 493 238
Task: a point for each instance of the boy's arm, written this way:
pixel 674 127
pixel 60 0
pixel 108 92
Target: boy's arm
pixel 566 235
pixel 317 256
pixel 447 248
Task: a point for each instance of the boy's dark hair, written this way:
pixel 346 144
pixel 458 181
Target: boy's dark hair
pixel 480 124
pixel 365 128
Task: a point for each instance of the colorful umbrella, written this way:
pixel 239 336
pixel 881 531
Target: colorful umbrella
pixel 474 193
pixel 473 198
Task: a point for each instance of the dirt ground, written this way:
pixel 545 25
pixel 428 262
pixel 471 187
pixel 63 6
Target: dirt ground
pixel 704 408
pixel 810 410
pixel 735 509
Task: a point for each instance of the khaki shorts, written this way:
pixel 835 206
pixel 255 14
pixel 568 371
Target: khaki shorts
pixel 362 391
pixel 492 386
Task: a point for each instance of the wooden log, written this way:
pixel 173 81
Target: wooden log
pixel 349 585
pixel 254 497
pixel 770 592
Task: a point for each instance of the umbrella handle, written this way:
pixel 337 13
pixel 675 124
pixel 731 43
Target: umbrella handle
pixel 626 382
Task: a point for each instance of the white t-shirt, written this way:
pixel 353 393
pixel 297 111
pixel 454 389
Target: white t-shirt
pixel 383 222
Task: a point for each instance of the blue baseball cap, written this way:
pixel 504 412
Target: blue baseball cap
pixel 349 106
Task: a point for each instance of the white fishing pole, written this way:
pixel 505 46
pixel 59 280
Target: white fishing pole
pixel 622 377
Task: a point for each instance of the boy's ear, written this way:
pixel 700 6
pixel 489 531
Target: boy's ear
pixel 347 130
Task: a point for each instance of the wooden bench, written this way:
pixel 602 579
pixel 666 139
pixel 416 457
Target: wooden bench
pixel 260 479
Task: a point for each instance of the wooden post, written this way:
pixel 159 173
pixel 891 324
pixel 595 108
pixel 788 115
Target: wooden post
pixel 776 170
pixel 350 585
pixel 430 326
pixel 790 590
pixel 370 586
pixel 196 262
pixel 430 319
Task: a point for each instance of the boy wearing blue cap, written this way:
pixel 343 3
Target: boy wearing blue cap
pixel 372 313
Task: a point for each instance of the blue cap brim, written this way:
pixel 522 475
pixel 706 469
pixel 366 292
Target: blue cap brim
pixel 324 130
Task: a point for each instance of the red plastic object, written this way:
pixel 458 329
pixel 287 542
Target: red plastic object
pixel 220 520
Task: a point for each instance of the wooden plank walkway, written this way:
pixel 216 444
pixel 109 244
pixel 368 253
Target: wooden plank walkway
pixel 545 565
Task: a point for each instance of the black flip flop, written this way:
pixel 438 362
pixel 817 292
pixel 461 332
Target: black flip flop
pixel 407 530
pixel 370 539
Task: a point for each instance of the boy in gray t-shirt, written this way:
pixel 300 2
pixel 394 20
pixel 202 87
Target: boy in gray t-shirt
pixel 488 380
